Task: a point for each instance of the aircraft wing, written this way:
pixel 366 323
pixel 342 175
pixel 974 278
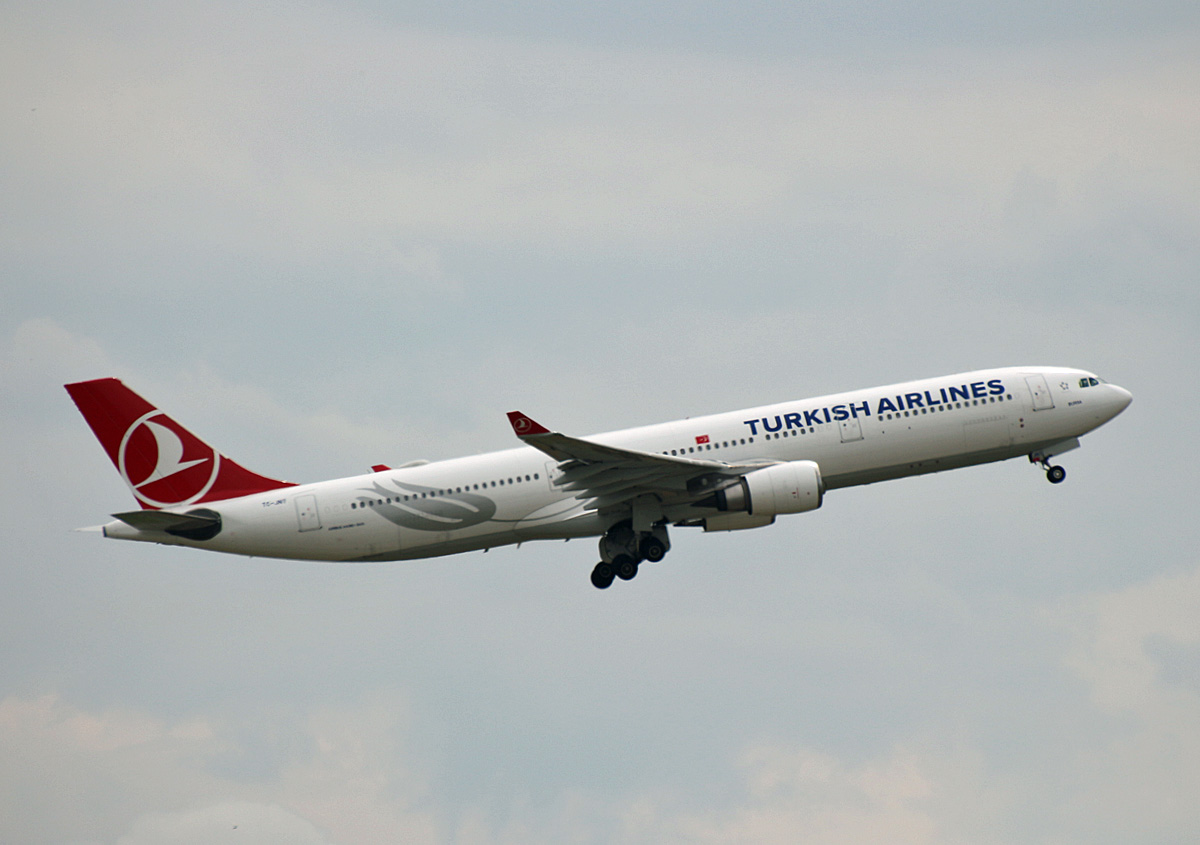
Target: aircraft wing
pixel 604 476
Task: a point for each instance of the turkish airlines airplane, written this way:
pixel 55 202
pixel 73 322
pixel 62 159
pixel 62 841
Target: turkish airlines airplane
pixel 724 472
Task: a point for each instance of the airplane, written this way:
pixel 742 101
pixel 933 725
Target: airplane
pixel 725 472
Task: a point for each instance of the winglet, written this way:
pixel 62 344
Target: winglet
pixel 524 426
pixel 380 467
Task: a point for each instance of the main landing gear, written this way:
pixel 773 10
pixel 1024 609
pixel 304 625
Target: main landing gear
pixel 1054 474
pixel 622 550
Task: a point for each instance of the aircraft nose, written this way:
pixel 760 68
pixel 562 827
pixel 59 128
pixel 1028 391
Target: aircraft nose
pixel 1122 396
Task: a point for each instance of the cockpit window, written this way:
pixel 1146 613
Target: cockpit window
pixel 1088 381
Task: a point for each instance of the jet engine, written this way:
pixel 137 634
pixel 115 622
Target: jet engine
pixel 759 496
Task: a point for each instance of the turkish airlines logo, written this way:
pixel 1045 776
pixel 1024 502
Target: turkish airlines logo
pixel 164 464
pixel 522 425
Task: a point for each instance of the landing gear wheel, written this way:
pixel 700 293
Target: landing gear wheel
pixel 652 549
pixel 602 576
pixel 1056 475
pixel 625 566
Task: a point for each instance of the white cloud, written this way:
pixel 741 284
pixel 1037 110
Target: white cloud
pixel 343 779
pixel 790 794
pixel 360 782
pixel 67 772
pixel 41 350
pixel 1144 774
pixel 816 797
pixel 261 824
pixel 1114 634
pixel 341 137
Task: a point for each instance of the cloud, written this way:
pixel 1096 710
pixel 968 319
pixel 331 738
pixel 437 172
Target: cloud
pixel 351 779
pixel 340 777
pixel 1113 650
pixel 1143 775
pixel 815 797
pixel 41 350
pixel 257 823
pixel 339 139
pixel 109 765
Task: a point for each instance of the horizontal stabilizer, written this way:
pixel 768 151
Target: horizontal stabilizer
pixel 168 522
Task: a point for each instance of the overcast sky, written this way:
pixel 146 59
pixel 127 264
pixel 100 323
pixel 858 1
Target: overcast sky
pixel 331 235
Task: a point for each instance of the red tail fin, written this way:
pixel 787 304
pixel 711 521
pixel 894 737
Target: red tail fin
pixel 163 463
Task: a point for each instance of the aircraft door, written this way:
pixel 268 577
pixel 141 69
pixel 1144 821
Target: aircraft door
pixel 307 514
pixel 1040 392
pixel 851 429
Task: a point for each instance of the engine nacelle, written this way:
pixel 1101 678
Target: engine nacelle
pixel 736 521
pixel 792 487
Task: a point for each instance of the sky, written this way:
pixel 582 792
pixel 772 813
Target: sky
pixel 330 235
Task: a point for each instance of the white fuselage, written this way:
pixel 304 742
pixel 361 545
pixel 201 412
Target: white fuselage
pixel 510 496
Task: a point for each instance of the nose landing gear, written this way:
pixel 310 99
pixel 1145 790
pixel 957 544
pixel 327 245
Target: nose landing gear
pixel 622 550
pixel 1054 474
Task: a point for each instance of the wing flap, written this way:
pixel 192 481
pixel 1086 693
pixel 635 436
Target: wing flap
pixel 605 476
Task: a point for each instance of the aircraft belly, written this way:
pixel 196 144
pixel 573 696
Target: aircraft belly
pixel 851 477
